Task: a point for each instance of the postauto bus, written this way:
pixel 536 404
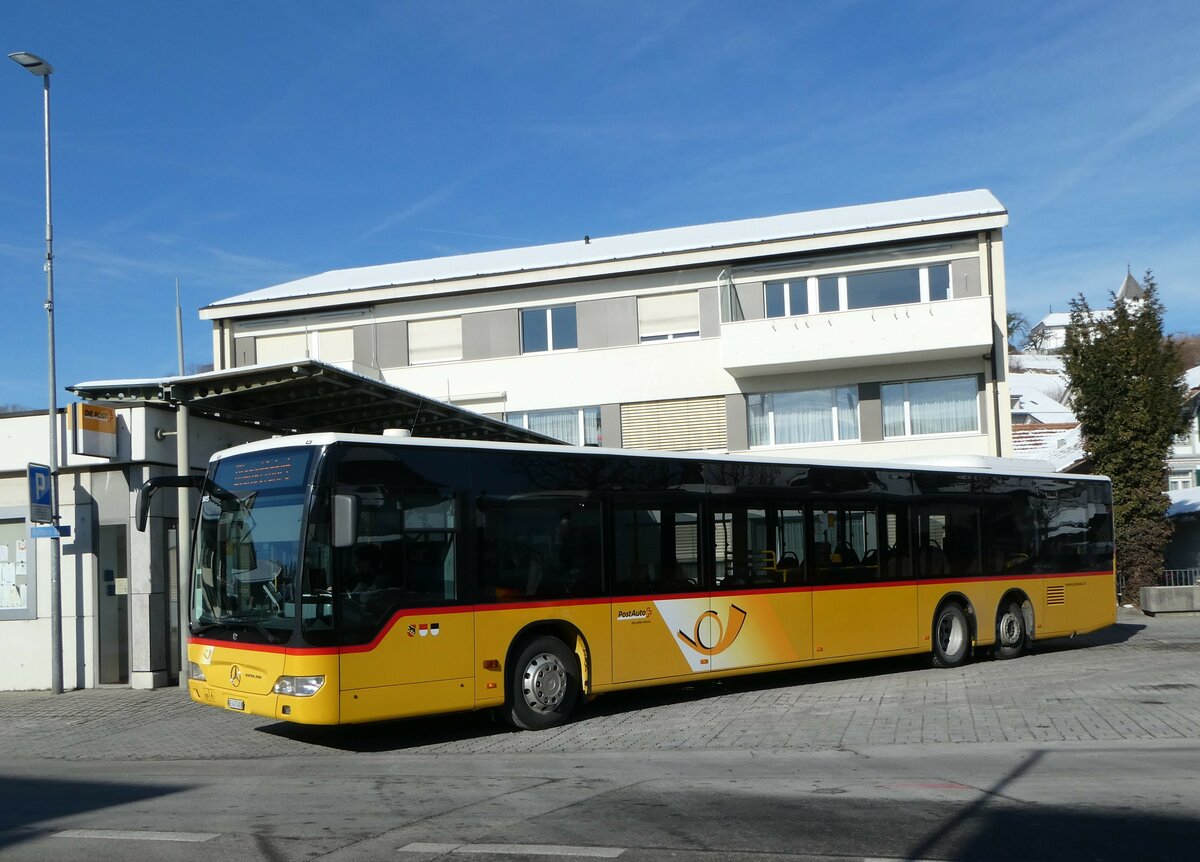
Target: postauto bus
pixel 349 578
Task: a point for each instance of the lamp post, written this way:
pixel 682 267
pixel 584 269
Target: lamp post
pixel 43 70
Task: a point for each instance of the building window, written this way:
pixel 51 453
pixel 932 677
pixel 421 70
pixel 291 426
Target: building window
pixel 545 329
pixel 939 282
pixel 787 298
pixel 889 287
pixel 435 340
pixel 811 416
pixel 853 290
pixel 948 406
pixel 1179 480
pixel 669 316
pixel 579 426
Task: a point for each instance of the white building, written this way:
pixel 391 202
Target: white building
pixel 119 599
pixel 1049 335
pixel 1184 461
pixel 865 332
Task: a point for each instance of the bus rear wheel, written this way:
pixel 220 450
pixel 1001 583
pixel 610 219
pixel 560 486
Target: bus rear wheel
pixel 1011 633
pixel 951 636
pixel 544 685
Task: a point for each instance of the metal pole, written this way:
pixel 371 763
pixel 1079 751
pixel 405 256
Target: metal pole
pixel 183 540
pixel 56 639
pixel 179 327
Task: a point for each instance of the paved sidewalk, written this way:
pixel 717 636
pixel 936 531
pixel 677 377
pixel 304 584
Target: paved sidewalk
pixel 1137 681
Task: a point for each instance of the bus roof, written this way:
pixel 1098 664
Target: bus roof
pixel 940 463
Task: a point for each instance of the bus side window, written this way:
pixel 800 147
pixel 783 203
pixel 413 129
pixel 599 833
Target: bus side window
pixel 655 550
pixel 540 549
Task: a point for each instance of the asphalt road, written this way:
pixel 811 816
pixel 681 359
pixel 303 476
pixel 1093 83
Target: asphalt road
pixel 1089 749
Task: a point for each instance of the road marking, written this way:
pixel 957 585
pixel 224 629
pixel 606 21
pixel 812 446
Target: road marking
pixel 419 847
pixel 518 850
pixel 133 835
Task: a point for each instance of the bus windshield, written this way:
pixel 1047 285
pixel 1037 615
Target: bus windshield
pixel 248 546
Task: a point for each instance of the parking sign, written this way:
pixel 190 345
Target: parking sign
pixel 41 501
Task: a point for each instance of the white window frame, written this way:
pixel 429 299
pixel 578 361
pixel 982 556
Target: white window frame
pixel 521 420
pixel 550 347
pixel 834 411
pixel 809 285
pixel 908 432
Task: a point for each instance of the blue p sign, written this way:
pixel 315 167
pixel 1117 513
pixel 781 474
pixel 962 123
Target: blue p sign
pixel 41 499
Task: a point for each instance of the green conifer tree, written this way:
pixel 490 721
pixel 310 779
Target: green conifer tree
pixel 1127 391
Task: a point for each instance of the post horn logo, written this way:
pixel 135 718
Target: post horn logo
pixel 235 676
pixel 726 634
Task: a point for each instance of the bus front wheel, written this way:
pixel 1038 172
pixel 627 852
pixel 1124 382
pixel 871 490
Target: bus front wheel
pixel 951 636
pixel 544 685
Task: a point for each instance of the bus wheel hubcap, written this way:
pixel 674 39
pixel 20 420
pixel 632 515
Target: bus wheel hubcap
pixel 1010 629
pixel 950 634
pixel 545 683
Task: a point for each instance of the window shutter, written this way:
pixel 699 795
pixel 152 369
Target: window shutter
pixel 687 424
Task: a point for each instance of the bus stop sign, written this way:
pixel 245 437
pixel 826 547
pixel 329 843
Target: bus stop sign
pixel 41 504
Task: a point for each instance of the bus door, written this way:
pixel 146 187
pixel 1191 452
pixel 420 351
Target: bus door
pixel 407 645
pixel 760 611
pixel 863 601
pixel 658 597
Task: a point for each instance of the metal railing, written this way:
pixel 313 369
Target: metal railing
pixel 1180 578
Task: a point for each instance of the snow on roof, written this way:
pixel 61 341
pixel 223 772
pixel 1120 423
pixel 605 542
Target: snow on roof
pixel 1062 319
pixel 969 204
pixel 1037 363
pixel 1192 377
pixel 1060 443
pixel 1185 501
pixel 1042 407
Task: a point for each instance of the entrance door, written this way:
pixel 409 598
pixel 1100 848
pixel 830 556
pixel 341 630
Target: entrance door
pixel 112 604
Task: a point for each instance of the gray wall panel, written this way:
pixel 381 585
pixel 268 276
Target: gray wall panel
pixel 964 277
pixel 737 420
pixel 710 312
pixel 364 345
pixel 870 413
pixel 391 344
pixel 491 334
pixel 244 352
pixel 607 322
pixel 750 298
pixel 610 425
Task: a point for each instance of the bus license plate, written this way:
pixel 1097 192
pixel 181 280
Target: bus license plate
pixel 235 703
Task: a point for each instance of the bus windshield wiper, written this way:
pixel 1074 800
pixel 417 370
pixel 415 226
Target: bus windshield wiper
pixel 269 636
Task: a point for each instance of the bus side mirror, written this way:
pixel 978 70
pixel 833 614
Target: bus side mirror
pixel 146 493
pixel 345 520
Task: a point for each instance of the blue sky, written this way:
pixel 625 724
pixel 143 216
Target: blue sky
pixel 239 145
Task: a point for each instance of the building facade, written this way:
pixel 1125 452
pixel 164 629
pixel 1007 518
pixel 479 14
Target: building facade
pixel 863 333
pixel 118 586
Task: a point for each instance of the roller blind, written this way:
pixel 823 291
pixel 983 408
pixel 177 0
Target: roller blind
pixel 668 314
pixel 435 340
pixel 686 424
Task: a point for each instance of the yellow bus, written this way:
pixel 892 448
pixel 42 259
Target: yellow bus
pixel 340 579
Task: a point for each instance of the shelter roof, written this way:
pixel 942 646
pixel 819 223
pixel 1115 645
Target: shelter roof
pixel 308 396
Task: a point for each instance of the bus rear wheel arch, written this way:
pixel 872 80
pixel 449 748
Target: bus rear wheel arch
pixel 543 683
pixel 1014 626
pixel 951 635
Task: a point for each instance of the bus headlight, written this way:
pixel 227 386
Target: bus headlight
pixel 196 672
pixel 298 686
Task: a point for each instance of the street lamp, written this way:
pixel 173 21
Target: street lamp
pixel 43 70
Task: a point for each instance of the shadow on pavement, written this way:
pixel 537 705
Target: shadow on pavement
pixel 1118 634
pixel 435 730
pixel 393 735
pixel 27 802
